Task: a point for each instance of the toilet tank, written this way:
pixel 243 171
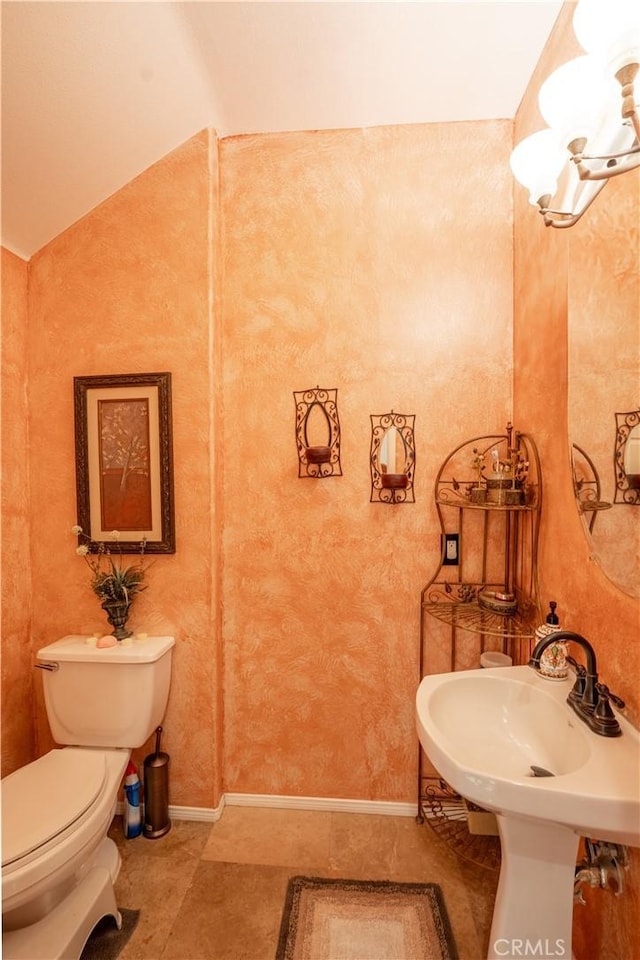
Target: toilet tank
pixel 105 697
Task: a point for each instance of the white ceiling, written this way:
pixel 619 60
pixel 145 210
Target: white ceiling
pixel 93 93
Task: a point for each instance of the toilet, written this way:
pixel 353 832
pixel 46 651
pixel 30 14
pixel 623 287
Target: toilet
pixel 58 865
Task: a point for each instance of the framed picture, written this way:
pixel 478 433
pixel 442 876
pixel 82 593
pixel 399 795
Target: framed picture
pixel 124 460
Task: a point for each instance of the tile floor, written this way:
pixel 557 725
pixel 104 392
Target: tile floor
pixel 216 890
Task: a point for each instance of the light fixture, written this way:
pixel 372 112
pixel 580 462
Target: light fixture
pixel 592 135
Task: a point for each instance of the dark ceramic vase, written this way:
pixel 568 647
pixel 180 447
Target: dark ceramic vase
pixel 117 612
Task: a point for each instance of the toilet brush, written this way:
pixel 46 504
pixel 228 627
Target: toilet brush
pixel 156 792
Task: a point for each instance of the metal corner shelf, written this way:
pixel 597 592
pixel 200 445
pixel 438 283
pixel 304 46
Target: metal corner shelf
pixel 497 550
pixel 464 504
pixel 447 813
pixel 471 617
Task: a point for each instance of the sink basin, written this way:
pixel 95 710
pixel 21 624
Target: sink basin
pixel 485 731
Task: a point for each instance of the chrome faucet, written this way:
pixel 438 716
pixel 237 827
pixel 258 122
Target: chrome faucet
pixel 588 698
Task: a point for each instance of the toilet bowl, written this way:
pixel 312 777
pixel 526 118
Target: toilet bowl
pixel 58 865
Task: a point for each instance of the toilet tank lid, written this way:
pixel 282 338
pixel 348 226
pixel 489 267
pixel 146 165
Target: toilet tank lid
pixel 82 649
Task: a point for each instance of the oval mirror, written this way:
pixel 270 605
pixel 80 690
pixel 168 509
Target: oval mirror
pixel 604 367
pixel 317 428
pixel 392 455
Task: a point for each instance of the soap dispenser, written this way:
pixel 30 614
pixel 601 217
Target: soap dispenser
pixel 553 662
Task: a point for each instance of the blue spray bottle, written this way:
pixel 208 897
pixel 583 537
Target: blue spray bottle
pixel 132 820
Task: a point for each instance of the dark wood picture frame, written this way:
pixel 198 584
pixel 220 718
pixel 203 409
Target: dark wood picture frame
pixel 124 460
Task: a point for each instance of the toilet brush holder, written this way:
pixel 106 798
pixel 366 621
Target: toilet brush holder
pixel 156 792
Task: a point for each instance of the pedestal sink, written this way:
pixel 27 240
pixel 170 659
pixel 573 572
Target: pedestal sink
pixel 485 731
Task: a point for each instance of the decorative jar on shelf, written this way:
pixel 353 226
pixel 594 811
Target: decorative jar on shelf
pixel 497 487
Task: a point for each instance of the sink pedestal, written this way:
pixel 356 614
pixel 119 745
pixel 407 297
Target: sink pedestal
pixel 534 903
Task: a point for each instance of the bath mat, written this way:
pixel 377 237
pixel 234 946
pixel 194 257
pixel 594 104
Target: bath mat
pixel 325 919
pixel 106 941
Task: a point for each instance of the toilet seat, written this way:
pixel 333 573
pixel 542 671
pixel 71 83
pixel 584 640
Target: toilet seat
pixel 40 857
pixel 43 799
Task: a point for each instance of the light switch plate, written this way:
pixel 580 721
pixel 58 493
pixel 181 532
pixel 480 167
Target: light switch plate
pixel 451 551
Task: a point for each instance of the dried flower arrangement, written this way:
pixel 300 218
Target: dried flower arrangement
pixel 112 580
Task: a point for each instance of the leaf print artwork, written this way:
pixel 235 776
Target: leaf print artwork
pixel 125 478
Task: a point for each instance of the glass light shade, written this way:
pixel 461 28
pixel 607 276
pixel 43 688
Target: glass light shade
pixel 610 30
pixel 536 163
pixel 571 99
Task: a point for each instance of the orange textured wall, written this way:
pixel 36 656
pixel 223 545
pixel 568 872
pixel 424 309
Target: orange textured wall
pixel 18 741
pixel 587 600
pixel 129 289
pixel 357 259
pixel 362 260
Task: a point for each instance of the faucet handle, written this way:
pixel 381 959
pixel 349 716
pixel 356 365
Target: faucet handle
pixel 605 693
pixel 603 719
pixel 578 688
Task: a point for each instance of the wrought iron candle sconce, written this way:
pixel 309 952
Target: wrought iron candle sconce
pixel 317 433
pixel 627 458
pixel 586 484
pixel 392 458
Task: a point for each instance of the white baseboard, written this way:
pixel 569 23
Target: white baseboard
pixel 331 804
pixel 201 814
pixel 335 805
